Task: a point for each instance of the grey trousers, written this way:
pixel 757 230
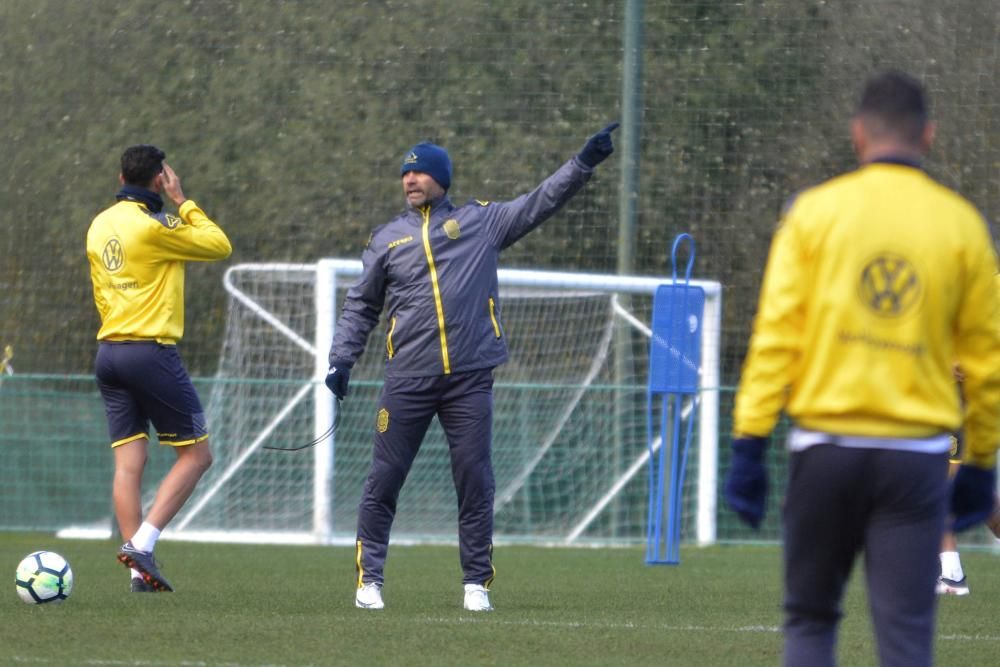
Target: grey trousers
pixel 463 403
pixel 889 506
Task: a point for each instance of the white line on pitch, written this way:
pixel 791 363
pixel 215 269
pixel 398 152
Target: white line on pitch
pixel 764 629
pixel 610 626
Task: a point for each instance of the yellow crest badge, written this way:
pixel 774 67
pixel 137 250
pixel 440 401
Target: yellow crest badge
pixel 382 423
pixel 451 228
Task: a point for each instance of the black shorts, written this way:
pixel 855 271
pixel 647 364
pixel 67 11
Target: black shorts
pixel 143 382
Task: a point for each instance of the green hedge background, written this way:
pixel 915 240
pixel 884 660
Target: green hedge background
pixel 286 121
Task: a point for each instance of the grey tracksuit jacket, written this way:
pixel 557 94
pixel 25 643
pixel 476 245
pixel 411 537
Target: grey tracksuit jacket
pixel 434 270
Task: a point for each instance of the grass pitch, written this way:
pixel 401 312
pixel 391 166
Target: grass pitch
pixel 293 606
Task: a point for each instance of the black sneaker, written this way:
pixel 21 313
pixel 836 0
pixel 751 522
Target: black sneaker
pixel 139 585
pixel 143 561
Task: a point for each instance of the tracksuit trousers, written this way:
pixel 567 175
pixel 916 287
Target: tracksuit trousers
pixel 463 403
pixel 887 505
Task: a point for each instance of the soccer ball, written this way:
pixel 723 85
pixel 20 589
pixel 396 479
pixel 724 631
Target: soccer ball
pixel 44 576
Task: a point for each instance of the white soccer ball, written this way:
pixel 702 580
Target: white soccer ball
pixel 44 576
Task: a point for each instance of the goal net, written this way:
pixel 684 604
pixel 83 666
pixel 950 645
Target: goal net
pixel 570 443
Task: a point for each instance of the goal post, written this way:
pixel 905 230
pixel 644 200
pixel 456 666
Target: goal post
pixel 555 425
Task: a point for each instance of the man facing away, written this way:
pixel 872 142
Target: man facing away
pixel 878 283
pixel 433 269
pixel 137 254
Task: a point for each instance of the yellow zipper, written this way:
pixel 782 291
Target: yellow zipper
pixel 388 339
pixel 426 211
pixel 493 317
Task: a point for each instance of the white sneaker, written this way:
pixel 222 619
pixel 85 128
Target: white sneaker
pixel 477 598
pixel 369 596
pixel 947 586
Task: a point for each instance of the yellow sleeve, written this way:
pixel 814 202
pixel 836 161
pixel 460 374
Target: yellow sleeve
pixel 775 346
pixel 197 238
pixel 978 355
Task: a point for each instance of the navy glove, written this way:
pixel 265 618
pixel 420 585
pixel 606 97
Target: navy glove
pixel 746 483
pixel 598 147
pixel 973 494
pixel 338 376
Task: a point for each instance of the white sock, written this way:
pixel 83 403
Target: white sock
pixel 145 538
pixel 136 574
pixel 951 566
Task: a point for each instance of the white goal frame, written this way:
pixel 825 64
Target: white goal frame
pixel 334 274
pixel 330 272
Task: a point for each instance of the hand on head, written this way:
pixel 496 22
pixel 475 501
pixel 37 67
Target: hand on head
pixel 172 185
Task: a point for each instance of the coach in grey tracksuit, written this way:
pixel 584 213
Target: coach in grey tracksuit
pixel 433 269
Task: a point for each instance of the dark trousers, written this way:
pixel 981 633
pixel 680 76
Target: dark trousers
pixel 888 505
pixel 463 403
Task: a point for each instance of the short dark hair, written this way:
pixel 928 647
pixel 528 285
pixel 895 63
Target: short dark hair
pixel 141 164
pixel 894 104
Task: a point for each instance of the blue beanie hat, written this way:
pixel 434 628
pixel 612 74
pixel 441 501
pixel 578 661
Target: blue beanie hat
pixel 430 159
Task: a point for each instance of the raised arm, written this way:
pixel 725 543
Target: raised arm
pixel 511 220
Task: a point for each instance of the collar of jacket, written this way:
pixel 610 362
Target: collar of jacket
pixel 441 204
pixel 898 159
pixel 135 193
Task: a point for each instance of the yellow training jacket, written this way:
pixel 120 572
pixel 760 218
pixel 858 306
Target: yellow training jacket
pixel 877 283
pixel 137 267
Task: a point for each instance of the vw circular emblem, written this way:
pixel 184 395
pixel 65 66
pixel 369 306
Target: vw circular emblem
pixel 113 255
pixel 889 285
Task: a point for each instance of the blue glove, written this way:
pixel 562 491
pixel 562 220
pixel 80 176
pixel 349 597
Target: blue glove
pixel 338 376
pixel 973 494
pixel 746 483
pixel 598 147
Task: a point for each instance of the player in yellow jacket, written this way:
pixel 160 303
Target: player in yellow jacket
pixel 137 254
pixel 878 282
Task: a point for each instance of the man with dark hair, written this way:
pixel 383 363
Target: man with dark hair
pixel 878 282
pixel 894 107
pixel 137 254
pixel 434 270
pixel 141 164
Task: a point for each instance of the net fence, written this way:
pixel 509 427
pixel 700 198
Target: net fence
pixel 287 120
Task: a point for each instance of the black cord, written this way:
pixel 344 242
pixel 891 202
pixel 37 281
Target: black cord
pixel 329 433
